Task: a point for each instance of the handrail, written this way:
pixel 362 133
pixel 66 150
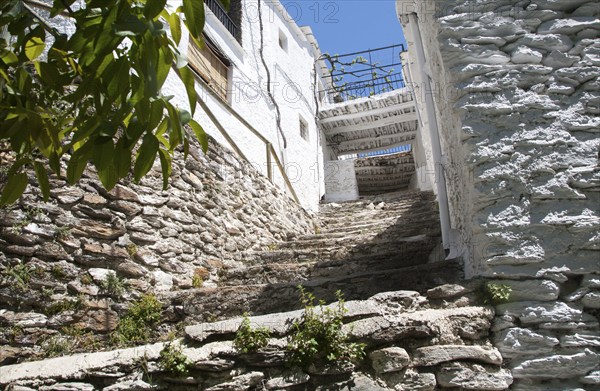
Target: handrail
pixel 282 170
pixel 270 151
pixel 223 17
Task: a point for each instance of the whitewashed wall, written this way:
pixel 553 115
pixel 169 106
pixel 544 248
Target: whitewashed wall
pixel 291 77
pixel 517 91
pixel 340 181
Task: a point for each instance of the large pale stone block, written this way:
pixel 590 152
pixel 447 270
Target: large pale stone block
pixel 541 290
pixel 591 300
pixel 474 378
pixel 580 339
pixel 531 312
pixel 519 341
pixel 557 366
pixel 389 359
pixel 433 355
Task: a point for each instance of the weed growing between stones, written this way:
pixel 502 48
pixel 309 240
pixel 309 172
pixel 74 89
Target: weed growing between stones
pixel 71 339
pixel 250 340
pixel 497 293
pixel 317 337
pixel 113 285
pixel 86 279
pixel 62 233
pixel 173 361
pixel 63 306
pixel 58 272
pixel 138 324
pixel 198 277
pixel 19 274
pixel 132 249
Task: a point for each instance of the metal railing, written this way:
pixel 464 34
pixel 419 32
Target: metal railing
pixel 223 17
pixel 362 74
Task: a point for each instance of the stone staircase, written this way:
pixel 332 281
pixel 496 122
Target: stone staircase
pixel 378 244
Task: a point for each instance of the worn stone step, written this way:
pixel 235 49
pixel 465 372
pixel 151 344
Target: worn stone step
pixel 231 301
pixel 366 220
pixel 404 228
pixel 369 244
pixel 390 198
pixel 343 250
pixel 277 272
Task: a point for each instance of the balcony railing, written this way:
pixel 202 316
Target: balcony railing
pixel 363 74
pixel 224 18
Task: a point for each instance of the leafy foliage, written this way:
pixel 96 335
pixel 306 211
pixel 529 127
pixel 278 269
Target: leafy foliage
pixel 318 338
pixel 137 324
pixel 94 96
pixel 113 285
pixel 250 340
pixel 173 360
pixel 498 293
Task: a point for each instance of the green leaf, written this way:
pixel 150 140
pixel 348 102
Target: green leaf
pixel 15 186
pixel 78 162
pixel 153 8
pixel 175 24
pixel 103 158
pixel 108 176
pixel 42 177
pixel 200 135
pixel 165 163
pixel 146 156
pixel 34 47
pixel 176 135
pixel 9 58
pixel 194 16
pixel 122 158
pixel 189 81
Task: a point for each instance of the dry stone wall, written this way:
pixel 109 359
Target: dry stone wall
pixel 70 268
pixel 413 342
pixel 517 92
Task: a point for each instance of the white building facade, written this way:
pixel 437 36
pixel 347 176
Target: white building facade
pixel 256 78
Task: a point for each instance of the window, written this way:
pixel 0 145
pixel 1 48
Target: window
pixel 211 65
pixel 303 129
pixel 283 41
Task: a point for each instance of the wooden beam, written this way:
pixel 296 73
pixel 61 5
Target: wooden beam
pixel 360 114
pixel 376 138
pixel 374 149
pixel 393 120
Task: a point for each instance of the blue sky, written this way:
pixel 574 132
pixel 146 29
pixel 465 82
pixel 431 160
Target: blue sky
pixel 345 26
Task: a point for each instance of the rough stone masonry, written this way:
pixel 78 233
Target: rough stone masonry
pixel 517 90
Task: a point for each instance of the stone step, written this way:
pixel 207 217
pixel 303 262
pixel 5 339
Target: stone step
pixel 405 227
pixel 389 198
pixel 280 271
pixel 341 250
pixel 258 299
pixel 360 206
pixel 391 235
pixel 380 217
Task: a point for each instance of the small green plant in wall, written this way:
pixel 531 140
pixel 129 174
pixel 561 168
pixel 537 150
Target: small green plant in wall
pixel 317 337
pixel 173 361
pixel 498 293
pixel 132 249
pixel 113 285
pixel 249 339
pixel 137 325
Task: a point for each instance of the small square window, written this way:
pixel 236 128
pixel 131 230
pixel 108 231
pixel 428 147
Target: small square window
pixel 303 129
pixel 283 41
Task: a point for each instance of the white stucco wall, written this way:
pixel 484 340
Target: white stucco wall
pixel 340 181
pixel 291 83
